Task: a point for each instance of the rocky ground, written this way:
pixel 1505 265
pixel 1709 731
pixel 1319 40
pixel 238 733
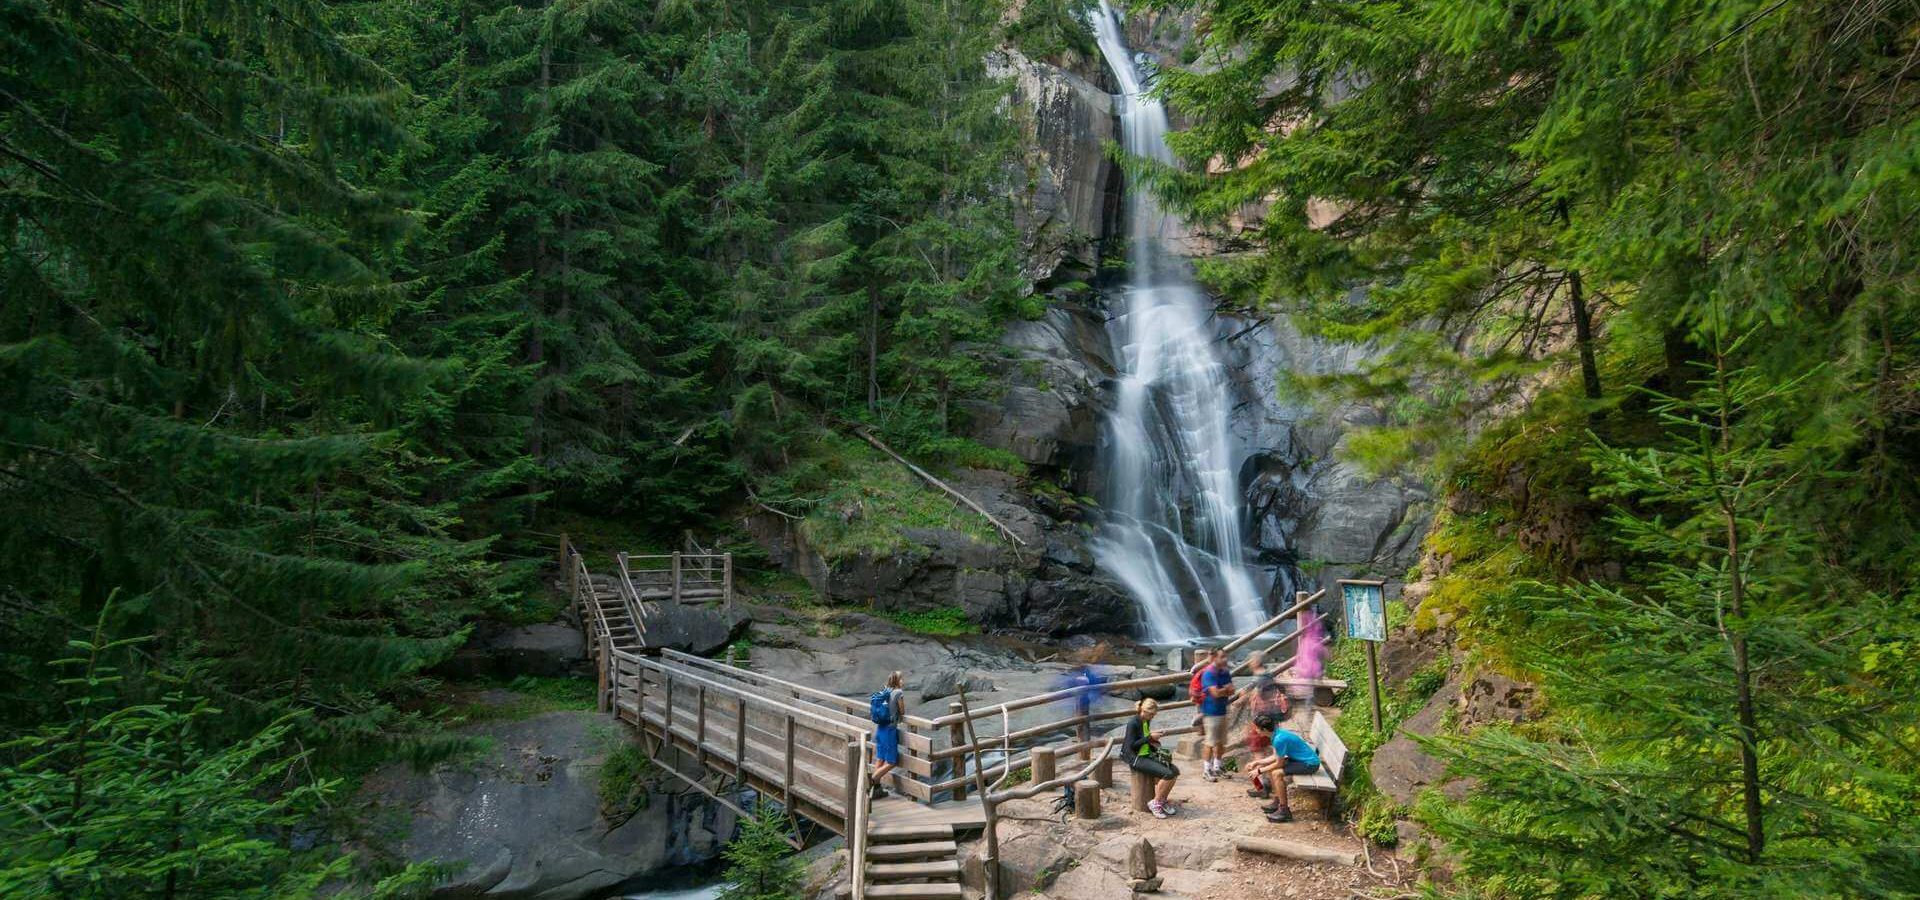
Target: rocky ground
pixel 1044 856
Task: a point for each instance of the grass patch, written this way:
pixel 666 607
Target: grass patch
pixel 531 696
pixel 868 502
pixel 946 621
pixel 625 784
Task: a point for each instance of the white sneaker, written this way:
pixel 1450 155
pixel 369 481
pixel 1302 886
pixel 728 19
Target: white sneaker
pixel 1158 809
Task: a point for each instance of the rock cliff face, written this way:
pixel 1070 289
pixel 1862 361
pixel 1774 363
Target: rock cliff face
pixel 1072 191
pixel 524 820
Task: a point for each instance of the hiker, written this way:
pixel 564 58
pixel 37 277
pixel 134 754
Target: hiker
pixel 1292 755
pixel 1264 698
pixel 886 707
pixel 1216 692
pixel 1143 754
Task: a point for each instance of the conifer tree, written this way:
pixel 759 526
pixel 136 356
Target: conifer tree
pixel 197 392
pixel 760 863
pixel 1726 724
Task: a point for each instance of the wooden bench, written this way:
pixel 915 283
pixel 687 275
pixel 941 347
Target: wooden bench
pixel 1333 759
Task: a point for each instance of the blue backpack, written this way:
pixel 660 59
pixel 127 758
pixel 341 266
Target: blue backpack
pixel 880 707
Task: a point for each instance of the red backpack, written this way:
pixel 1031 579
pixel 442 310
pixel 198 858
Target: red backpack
pixel 1195 690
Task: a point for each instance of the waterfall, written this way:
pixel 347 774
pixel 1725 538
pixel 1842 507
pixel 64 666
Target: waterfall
pixel 1173 524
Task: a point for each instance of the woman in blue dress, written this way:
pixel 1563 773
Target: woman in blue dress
pixel 886 731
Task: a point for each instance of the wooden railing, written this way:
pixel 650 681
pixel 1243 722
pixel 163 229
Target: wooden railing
pixel 917 754
pixel 678 577
pixel 1016 746
pixel 811 762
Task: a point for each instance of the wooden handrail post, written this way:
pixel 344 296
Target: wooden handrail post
pixel 605 662
pixel 1042 763
pixel 853 783
pixel 676 576
pixel 786 776
pixel 956 737
pixel 1305 615
pixel 1084 734
pixel 726 578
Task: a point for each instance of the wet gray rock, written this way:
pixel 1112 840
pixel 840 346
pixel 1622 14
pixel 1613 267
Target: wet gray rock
pixel 550 651
pixel 702 630
pixel 524 820
pixel 1400 769
pixel 1048 415
pixel 946 683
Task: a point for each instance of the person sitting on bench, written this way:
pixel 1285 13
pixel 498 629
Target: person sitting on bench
pixel 1292 755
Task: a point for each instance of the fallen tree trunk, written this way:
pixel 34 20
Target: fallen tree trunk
pixel 1295 850
pixel 926 476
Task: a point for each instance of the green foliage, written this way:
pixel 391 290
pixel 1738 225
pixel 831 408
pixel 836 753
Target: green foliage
pixel 1440 175
pixel 315 312
pixel 865 502
pixel 133 799
pixel 530 696
pixel 946 621
pixel 1728 664
pixel 760 863
pixel 625 782
pixel 1050 29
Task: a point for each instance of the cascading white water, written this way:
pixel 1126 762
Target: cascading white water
pixel 1173 524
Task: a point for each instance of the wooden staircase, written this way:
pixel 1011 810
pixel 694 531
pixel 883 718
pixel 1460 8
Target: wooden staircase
pixel 622 631
pixel 911 862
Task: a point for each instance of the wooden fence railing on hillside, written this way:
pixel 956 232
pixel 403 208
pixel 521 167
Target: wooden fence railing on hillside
pixel 678 577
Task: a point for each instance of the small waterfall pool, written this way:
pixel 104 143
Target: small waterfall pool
pixel 1174 525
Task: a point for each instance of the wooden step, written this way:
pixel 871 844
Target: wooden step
pixel 900 834
pixel 943 868
pixel 920 850
pixel 944 890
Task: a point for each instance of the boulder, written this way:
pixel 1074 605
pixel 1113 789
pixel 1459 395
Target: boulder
pixel 945 683
pixel 1400 769
pixel 524 820
pixel 702 630
pixel 1140 860
pixel 1493 697
pixel 552 650
pixel 1078 604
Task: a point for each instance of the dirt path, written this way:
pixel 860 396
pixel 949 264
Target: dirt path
pixel 1195 848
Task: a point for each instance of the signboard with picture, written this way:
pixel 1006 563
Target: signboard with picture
pixel 1365 604
pixel 1366 609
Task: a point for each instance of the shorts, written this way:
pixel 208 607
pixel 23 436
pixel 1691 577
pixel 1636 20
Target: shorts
pixel 1216 730
pixel 1293 766
pixel 886 744
pixel 1154 766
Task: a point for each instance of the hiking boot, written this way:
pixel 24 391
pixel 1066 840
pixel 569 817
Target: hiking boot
pixel 879 793
pixel 1271 808
pixel 1260 793
pixel 1281 817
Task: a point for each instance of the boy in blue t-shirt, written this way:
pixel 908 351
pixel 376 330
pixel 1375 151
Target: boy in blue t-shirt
pixel 1292 755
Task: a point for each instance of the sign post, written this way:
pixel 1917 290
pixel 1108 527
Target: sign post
pixel 1365 605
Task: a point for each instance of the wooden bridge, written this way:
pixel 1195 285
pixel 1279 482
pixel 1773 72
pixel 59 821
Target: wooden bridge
pixel 726 730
